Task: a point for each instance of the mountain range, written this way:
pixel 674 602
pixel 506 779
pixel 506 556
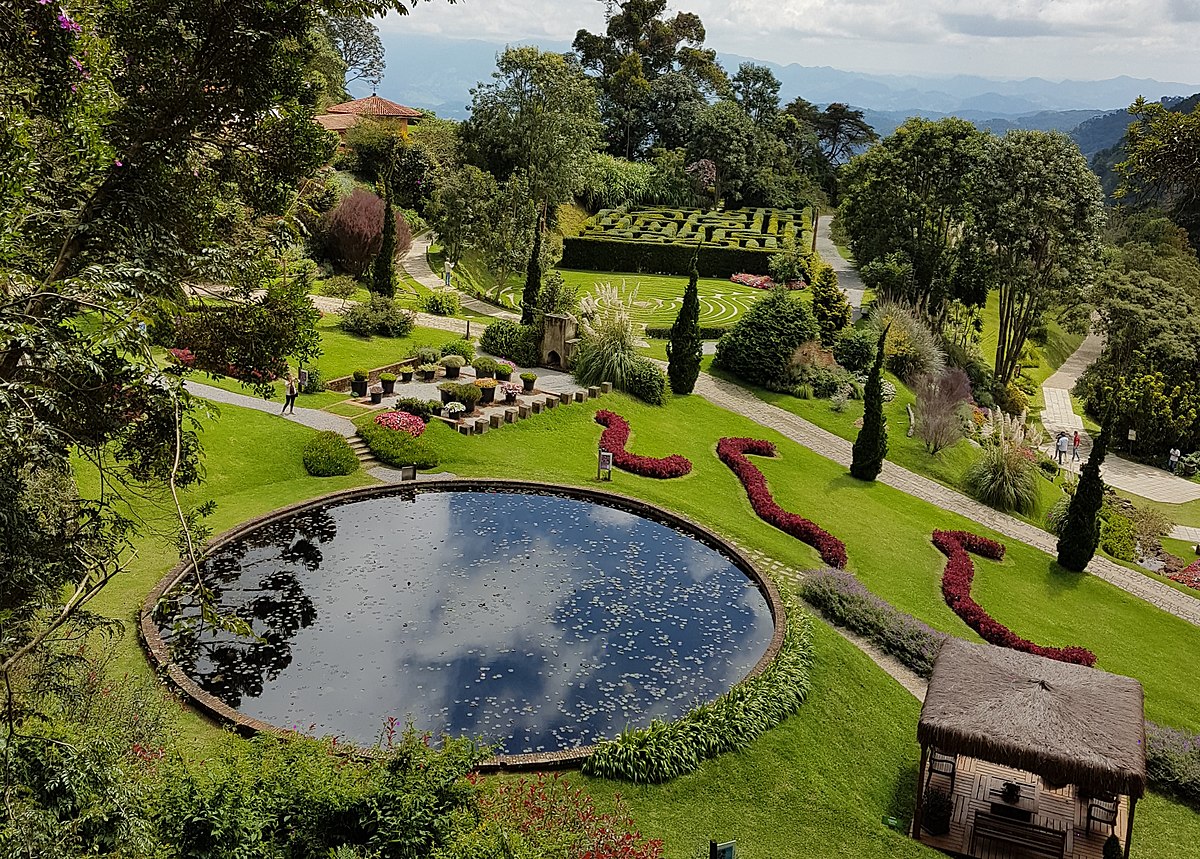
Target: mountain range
pixel 436 73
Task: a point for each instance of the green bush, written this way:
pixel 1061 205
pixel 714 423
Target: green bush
pixel 1003 478
pixel 484 366
pixel 647 382
pixel 1010 399
pixel 660 257
pixel 314 383
pixel 359 375
pixel 444 302
pixel 464 392
pixel 518 343
pixel 455 361
pixel 328 454
pixel 911 348
pixel 855 349
pixel 427 355
pixel 760 346
pixel 460 346
pixel 382 316
pixel 1117 537
pixel 424 409
pixel 396 448
pixel 667 750
pixel 1056 516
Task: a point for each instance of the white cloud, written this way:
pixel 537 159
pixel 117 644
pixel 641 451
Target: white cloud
pixel 1046 38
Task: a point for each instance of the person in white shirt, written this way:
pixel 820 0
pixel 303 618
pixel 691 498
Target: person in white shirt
pixel 1173 459
pixel 1061 446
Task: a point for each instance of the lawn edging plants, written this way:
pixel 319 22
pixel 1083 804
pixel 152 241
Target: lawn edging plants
pixel 616 436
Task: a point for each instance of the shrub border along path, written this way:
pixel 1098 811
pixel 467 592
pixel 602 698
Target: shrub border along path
pixel 735 398
pixel 160 654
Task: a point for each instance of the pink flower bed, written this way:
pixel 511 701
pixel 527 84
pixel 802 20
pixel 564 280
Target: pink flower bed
pixel 732 452
pixel 1189 575
pixel 762 281
pixel 402 421
pixel 956 588
pixel 616 436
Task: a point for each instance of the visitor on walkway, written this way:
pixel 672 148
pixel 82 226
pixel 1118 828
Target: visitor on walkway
pixel 1075 447
pixel 1173 459
pixel 290 391
pixel 1060 447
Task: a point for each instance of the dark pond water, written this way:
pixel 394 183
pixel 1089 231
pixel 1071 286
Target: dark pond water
pixel 537 622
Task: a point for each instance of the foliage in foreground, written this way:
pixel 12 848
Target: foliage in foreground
pixel 328 454
pixel 667 750
pixel 506 339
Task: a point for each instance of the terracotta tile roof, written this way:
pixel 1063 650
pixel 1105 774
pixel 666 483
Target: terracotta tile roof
pixel 337 121
pixel 375 106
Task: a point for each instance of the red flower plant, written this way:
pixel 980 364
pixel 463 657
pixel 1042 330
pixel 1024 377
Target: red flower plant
pixel 401 421
pixel 616 436
pixel 732 452
pixel 1189 575
pixel 956 588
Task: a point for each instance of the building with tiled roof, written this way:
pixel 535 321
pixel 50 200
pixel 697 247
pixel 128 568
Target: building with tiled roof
pixel 341 118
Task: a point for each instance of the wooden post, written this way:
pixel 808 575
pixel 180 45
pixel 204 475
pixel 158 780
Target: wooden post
pixel 1129 825
pixel 916 827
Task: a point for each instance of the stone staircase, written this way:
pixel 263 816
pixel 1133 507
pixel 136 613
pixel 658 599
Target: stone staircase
pixel 366 459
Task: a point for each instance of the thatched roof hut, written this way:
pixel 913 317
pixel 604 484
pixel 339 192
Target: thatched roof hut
pixel 1067 723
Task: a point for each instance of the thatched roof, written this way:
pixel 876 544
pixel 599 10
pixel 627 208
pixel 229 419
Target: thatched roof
pixel 1067 723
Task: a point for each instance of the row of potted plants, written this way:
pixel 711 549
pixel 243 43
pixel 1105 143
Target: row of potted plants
pixel 616 436
pixel 956 588
pixel 733 452
pixel 485 368
pixel 486 388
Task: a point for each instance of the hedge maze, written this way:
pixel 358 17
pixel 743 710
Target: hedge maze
pixel 663 241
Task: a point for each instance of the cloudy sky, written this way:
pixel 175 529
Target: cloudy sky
pixel 1056 39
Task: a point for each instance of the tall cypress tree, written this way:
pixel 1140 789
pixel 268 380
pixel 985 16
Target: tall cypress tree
pixel 533 275
pixel 383 270
pixel 870 448
pixel 684 348
pixel 1081 530
pixel 830 307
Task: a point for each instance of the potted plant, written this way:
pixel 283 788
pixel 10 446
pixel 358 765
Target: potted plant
pixel 454 410
pixel 388 381
pixel 935 818
pixel 427 371
pixel 504 370
pixel 452 364
pixel 358 383
pixel 449 392
pixel 376 392
pixel 528 379
pixel 469 395
pixel 487 390
pixel 485 367
pixel 511 389
pixel 406 373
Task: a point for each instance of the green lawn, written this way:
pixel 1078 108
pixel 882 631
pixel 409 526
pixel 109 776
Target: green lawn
pixel 344 353
pixel 825 777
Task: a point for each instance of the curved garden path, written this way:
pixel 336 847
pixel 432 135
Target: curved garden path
pixel 848 278
pixel 416 263
pixel 735 398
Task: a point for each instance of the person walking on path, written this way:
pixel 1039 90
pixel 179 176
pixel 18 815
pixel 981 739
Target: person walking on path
pixel 1075 447
pixel 289 398
pixel 1173 459
pixel 1060 447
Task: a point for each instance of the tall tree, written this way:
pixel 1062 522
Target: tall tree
pixel 830 307
pixel 460 208
pixel 1081 530
pixel 1040 212
pixel 533 275
pixel 756 89
pixel 507 240
pixel 870 447
pixel 723 134
pixel 357 42
pixel 1163 162
pixel 908 200
pixel 685 349
pixel 383 269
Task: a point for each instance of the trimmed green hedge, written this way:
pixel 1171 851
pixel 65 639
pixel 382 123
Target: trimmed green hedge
pixel 397 448
pixel 667 750
pixel 714 332
pixel 327 454
pixel 661 257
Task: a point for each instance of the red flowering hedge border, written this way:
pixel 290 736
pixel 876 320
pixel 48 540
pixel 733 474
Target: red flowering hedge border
pixel 956 588
pixel 616 436
pixel 732 452
pixel 1189 575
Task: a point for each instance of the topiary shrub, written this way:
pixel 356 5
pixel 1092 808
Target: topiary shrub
pixel 1081 531
pixel 517 343
pixel 685 349
pixel 760 346
pixel 871 444
pixel 1003 477
pixel 647 382
pixel 830 307
pixel 1117 537
pixel 397 448
pixel 328 454
pixel 382 316
pixel 854 349
pixel 461 347
pixel 442 303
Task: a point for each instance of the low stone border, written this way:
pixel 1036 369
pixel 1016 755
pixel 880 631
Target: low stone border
pixel 160 656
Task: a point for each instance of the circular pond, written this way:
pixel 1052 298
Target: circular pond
pixel 535 621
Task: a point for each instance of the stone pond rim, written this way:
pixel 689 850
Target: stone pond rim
pixel 213 707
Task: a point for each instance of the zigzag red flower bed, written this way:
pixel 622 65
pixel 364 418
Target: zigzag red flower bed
pixel 616 436
pixel 956 588
pixel 732 452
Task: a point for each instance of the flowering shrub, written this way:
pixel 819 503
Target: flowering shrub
pixel 512 388
pixel 402 421
pixel 1173 761
pixel 182 357
pixel 732 452
pixel 616 436
pixel 552 818
pixel 763 281
pixel 1189 575
pixel 455 408
pixel 956 588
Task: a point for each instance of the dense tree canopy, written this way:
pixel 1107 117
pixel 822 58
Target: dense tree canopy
pixel 1163 162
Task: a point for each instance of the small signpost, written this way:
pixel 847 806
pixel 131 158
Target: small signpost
pixel 723 850
pixel 1132 439
pixel 604 465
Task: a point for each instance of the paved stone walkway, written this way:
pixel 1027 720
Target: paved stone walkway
pixel 426 320
pixel 416 263
pixel 733 397
pixel 848 278
pixel 314 418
